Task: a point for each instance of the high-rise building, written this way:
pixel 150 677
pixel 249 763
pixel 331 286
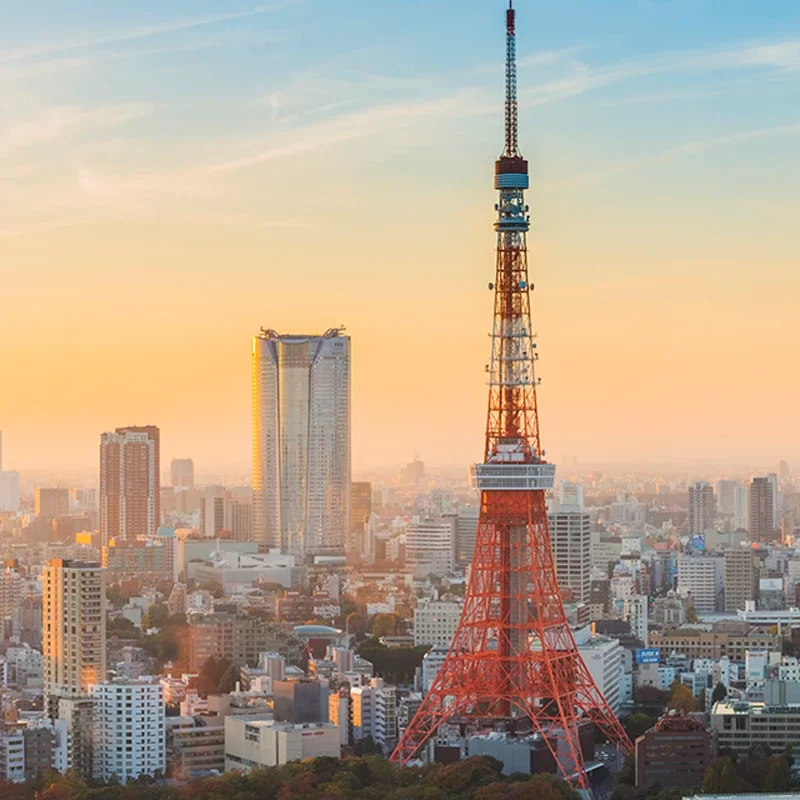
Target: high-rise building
pixel 12 593
pixel 570 496
pixel 130 739
pixel 725 490
pixel 700 581
pixel 430 547
pixel 741 578
pixel 702 507
pixel 213 511
pixel 9 485
pixel 570 536
pixel 466 533
pixel 51 503
pixel 301 442
pixel 374 710
pixel 239 518
pixel 636 613
pixel 73 627
pixel 130 487
pixel 360 512
pixel 762 510
pixel 776 498
pixel 741 508
pixel 182 473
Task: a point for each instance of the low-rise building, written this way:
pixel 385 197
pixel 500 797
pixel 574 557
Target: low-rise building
pixel 195 746
pixel 675 752
pixel 253 744
pixel 739 724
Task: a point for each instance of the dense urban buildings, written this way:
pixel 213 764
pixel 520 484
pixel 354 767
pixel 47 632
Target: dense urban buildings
pixel 301 442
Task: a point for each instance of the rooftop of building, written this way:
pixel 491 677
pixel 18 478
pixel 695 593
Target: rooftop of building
pixel 752 707
pixel 284 726
pixel 316 630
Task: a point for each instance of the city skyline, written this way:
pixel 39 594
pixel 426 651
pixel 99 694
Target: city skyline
pixel 138 207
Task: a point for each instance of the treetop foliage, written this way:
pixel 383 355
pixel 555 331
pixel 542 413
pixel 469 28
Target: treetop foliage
pixel 368 778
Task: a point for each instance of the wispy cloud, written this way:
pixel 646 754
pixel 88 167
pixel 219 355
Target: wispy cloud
pixel 362 124
pixel 133 34
pixel 64 120
pixel 684 150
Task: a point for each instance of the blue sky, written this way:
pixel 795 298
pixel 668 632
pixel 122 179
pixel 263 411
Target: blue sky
pixel 307 163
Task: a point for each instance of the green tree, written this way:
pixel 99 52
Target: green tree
pixel 719 693
pixel 691 615
pixel 157 616
pixel 721 778
pixel 759 750
pixel 627 775
pixel 681 698
pixel 227 683
pixel 636 724
pixel 384 625
pixel 701 700
pixel 788 754
pixel 778 778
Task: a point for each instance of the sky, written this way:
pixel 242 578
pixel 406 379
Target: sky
pixel 174 176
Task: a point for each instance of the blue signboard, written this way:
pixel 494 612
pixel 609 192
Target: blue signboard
pixel 698 542
pixel 650 655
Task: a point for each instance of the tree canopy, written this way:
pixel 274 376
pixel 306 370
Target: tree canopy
pixel 368 778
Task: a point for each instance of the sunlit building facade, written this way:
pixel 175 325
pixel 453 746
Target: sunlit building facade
pixel 301 442
pixel 130 486
pixel 73 627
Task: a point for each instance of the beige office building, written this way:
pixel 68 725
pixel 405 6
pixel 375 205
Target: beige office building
pixel 254 744
pixel 741 578
pixel 73 627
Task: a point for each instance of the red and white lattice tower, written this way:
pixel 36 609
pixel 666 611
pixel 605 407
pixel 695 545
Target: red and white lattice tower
pixel 513 661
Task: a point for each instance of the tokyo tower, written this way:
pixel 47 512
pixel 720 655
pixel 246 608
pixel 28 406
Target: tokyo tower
pixel 513 663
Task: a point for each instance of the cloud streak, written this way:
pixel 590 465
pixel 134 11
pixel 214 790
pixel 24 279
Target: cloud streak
pixel 61 121
pixel 143 32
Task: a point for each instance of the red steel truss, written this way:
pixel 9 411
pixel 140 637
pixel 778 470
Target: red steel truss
pixel 513 661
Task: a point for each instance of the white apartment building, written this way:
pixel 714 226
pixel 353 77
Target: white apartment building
pixel 301 442
pixel 741 508
pixel 374 712
pixel 435 623
pixel 700 578
pixel 431 664
pixel 635 612
pixel 789 669
pixel 430 547
pixel 570 538
pixel 129 738
pixel 603 657
pixel 9 491
pixel 256 743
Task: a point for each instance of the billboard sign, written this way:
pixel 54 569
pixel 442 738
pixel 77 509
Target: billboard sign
pixel 649 655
